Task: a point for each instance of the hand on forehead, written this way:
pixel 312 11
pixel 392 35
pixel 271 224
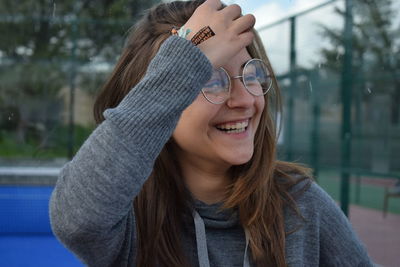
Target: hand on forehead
pixel 226 30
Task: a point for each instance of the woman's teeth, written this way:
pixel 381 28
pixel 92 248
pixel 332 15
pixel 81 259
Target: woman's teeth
pixel 233 127
pixel 236 131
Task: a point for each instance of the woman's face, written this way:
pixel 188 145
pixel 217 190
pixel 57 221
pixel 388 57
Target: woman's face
pixel 200 133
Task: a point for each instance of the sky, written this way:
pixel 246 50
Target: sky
pixel 267 11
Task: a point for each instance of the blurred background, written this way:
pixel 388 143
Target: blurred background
pixel 338 63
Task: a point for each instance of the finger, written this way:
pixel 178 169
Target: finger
pixel 247 38
pixel 232 11
pixel 244 23
pixel 214 4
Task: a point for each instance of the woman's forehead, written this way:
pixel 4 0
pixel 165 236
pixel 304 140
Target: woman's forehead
pixel 237 62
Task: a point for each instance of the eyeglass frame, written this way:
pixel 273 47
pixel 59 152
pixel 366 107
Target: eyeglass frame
pixel 241 78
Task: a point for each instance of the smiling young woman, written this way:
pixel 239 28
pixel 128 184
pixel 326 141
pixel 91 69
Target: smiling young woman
pixel 182 168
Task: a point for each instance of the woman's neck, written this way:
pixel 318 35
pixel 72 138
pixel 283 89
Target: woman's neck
pixel 206 184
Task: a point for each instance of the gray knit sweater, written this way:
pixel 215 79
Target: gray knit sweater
pixel 91 206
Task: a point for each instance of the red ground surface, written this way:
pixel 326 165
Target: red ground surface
pixel 380 235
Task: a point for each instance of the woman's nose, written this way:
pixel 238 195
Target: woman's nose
pixel 239 96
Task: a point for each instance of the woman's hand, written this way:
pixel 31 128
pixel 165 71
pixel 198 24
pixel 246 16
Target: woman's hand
pixel 232 30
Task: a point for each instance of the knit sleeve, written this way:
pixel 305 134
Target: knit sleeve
pixel 91 206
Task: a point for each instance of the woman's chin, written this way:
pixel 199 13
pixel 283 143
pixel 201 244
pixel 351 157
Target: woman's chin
pixel 239 159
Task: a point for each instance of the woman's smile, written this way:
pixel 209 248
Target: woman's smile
pixel 238 126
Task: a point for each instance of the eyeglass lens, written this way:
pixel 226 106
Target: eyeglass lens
pixel 255 78
pixel 217 89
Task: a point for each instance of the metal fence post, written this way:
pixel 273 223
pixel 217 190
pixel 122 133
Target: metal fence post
pixel 72 76
pixel 293 77
pixel 316 112
pixel 346 92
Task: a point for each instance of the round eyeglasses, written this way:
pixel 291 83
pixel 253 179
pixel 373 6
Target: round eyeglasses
pixel 255 77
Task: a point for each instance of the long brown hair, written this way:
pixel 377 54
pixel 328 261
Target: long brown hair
pixel 259 188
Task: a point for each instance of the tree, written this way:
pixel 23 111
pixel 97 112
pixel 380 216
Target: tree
pixel 43 41
pixel 376 51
